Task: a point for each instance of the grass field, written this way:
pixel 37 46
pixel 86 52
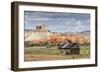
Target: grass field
pixel 52 53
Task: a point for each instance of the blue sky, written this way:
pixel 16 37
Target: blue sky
pixel 57 21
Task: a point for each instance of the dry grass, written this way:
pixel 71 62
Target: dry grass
pixel 38 54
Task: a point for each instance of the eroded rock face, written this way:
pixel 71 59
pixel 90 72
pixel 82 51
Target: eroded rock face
pixel 82 39
pixel 55 38
pixel 42 35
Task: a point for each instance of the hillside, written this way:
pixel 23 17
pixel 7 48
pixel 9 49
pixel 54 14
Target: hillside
pixel 81 37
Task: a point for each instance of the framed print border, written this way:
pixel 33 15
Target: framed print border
pixel 15 33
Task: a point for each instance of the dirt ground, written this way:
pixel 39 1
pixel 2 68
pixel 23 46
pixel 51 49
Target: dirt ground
pixel 30 57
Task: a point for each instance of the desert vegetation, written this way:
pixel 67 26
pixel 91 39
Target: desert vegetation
pixel 50 51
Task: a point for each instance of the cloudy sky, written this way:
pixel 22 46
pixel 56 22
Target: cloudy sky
pixel 58 21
